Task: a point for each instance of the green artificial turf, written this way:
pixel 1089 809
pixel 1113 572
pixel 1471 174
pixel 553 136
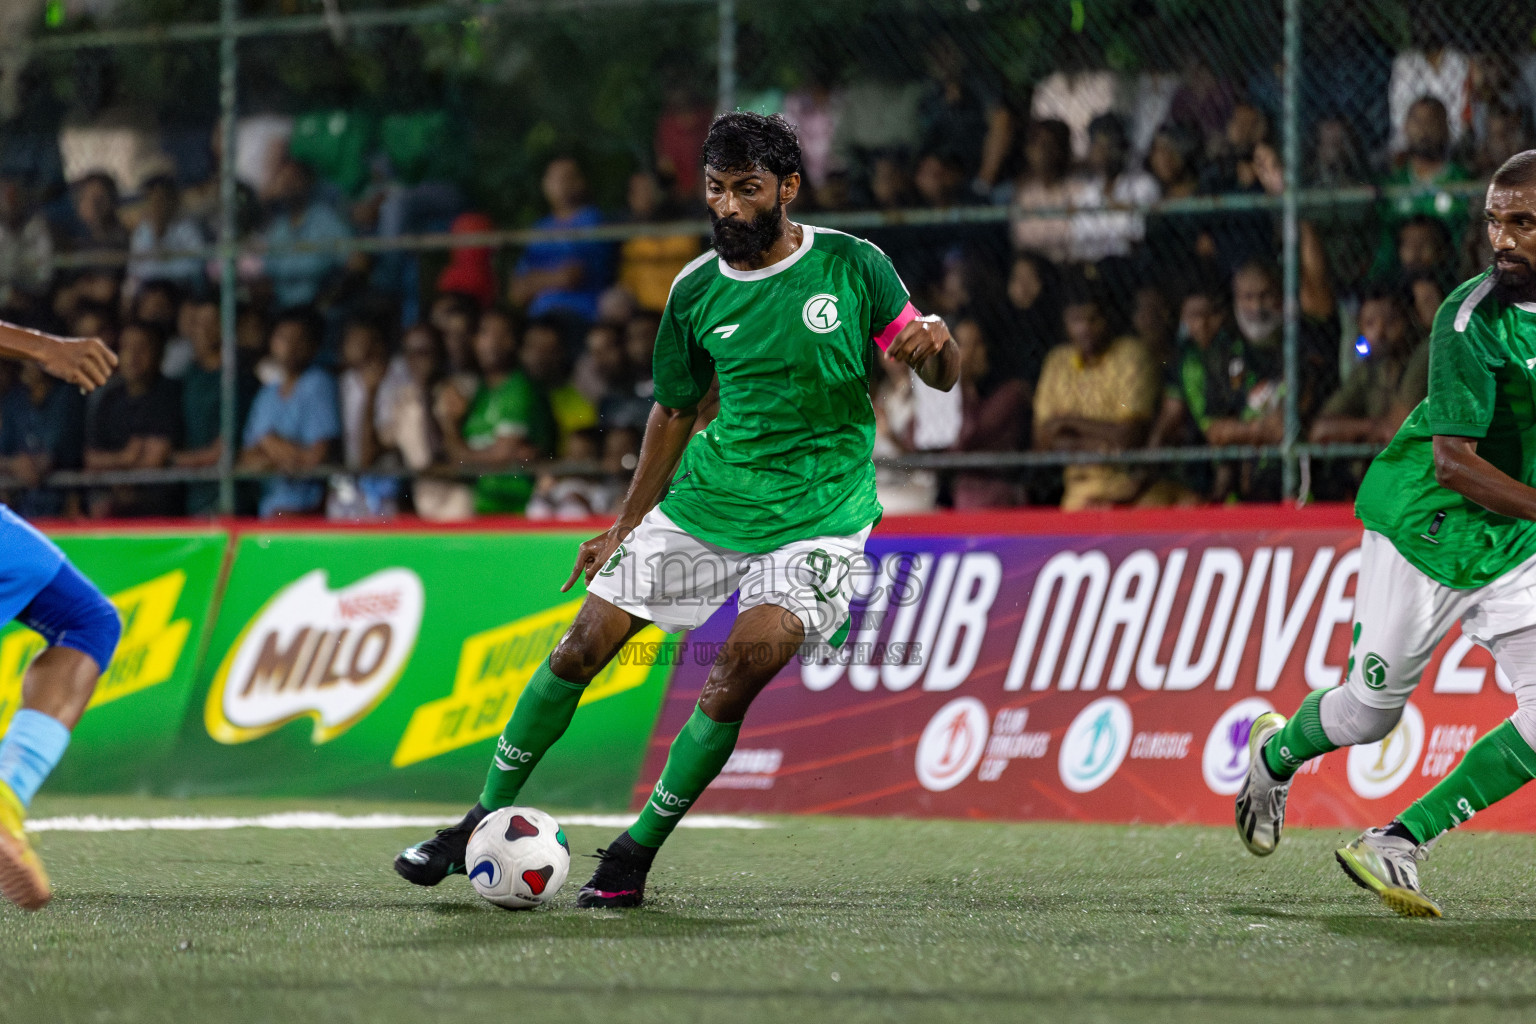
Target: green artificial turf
pixel 847 920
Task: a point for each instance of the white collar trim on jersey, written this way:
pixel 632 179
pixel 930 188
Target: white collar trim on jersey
pixel 1529 307
pixel 808 240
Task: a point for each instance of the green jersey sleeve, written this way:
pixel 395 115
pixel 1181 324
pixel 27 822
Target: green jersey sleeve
pixel 681 367
pixel 1464 359
pixel 888 296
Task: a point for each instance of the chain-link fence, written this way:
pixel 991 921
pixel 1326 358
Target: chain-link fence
pixel 1190 250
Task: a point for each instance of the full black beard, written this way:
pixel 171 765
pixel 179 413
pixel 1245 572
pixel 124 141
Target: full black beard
pixel 1511 288
pixel 739 241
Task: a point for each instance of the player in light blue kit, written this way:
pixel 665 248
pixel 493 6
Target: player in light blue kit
pixel 41 590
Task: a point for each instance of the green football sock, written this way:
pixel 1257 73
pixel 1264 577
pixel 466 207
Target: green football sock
pixel 543 711
pixel 1300 741
pixel 696 757
pixel 1497 765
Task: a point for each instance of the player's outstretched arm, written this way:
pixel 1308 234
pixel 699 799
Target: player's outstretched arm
pixel 666 435
pixel 1459 468
pixel 84 362
pixel 925 345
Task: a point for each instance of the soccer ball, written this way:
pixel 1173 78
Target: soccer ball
pixel 518 858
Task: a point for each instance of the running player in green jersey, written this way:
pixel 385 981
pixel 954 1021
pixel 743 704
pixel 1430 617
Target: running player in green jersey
pixel 1449 510
pixel 775 497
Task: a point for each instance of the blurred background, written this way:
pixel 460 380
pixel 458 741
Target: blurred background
pixel 407 259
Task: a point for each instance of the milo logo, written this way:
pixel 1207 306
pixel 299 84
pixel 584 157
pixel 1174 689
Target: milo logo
pixel 330 655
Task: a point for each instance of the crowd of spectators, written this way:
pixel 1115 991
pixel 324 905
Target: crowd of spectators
pixel 1094 312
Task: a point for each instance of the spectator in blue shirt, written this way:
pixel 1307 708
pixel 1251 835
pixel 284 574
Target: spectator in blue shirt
pixel 298 215
pixel 42 422
pixel 164 229
pixel 294 423
pixel 564 277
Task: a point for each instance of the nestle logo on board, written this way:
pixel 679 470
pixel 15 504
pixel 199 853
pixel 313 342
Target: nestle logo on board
pixel 330 655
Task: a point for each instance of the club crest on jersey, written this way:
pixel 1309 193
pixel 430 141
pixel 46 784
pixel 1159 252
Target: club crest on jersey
pixel 820 313
pixel 1375 671
pixel 613 561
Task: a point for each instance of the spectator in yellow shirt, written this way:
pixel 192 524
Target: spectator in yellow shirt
pixel 1097 393
pixel 648 264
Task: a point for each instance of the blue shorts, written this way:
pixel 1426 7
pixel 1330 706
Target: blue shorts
pixel 41 590
pixel 28 563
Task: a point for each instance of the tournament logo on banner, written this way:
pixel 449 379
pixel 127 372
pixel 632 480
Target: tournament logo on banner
pixel 1378 769
pixel 1224 761
pixel 952 744
pixel 1095 744
pixel 332 655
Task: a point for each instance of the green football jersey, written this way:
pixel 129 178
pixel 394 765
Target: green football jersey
pixel 1482 384
pixel 788 456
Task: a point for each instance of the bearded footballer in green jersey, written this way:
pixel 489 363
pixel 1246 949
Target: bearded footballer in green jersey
pixel 775 497
pixel 1449 510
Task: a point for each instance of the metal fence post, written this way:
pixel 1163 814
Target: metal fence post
pixel 229 428
pixel 1291 238
pixel 725 100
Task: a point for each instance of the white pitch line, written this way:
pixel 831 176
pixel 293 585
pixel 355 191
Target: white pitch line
pixel 325 821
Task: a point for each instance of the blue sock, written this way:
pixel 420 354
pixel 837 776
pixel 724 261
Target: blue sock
pixel 31 748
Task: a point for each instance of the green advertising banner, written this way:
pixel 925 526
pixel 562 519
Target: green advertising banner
pixel 386 664
pixel 163 584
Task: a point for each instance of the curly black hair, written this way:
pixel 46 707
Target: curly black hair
pixel 743 141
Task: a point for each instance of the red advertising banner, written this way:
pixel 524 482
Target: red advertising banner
pixel 1099 667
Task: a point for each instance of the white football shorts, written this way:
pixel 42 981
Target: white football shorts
pixel 666 575
pixel 1401 615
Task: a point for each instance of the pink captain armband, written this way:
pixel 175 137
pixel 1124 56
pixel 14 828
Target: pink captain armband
pixel 906 316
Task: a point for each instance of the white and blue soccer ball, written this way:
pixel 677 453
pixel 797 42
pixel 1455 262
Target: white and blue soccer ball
pixel 518 858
